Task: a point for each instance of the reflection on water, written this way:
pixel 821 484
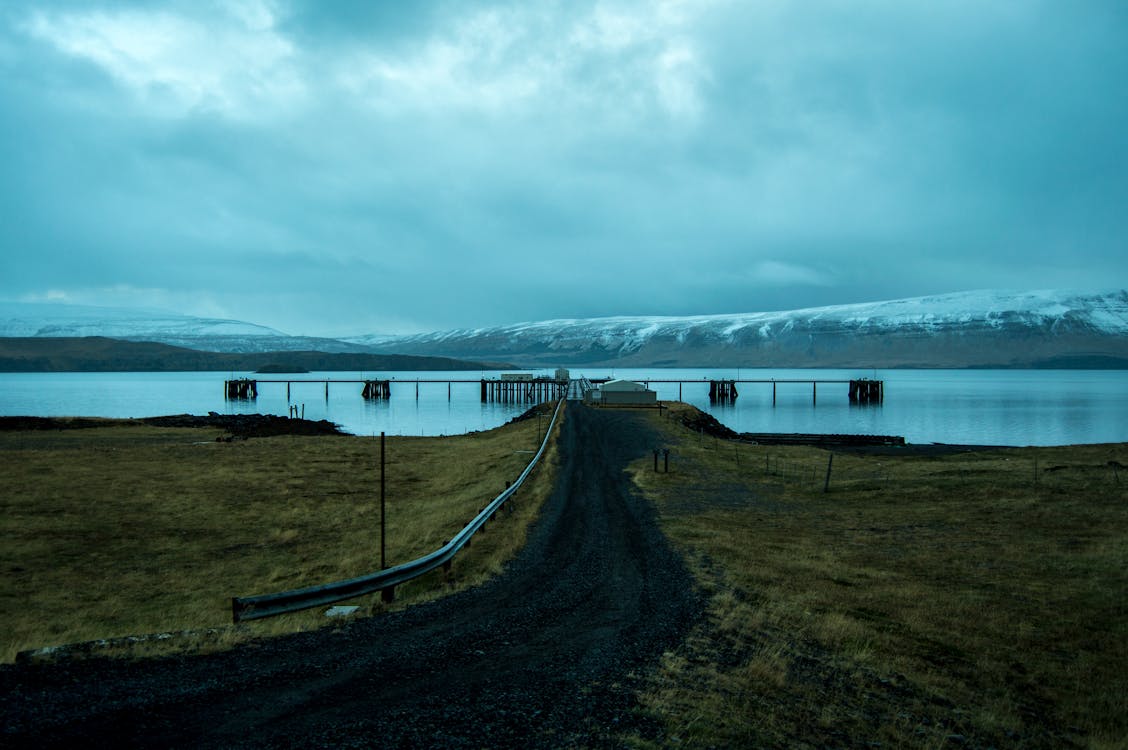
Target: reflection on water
pixel 1003 407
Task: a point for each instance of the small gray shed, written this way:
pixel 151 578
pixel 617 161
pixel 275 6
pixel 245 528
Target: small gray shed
pixel 625 392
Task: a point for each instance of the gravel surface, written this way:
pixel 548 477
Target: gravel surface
pixel 546 655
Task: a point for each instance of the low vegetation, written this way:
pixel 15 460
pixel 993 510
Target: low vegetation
pixel 921 599
pixel 127 529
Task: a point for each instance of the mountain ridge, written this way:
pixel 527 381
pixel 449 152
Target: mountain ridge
pixel 967 329
pixel 987 328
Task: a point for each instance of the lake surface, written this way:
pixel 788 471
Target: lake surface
pixel 991 407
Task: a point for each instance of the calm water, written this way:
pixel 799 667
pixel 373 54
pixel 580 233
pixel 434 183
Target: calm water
pixel 998 407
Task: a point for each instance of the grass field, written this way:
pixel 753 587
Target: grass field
pixel 977 598
pixel 131 529
pixel 965 598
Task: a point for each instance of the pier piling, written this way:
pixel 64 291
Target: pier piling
pixel 242 388
pixel 866 391
pixel 380 390
pixel 722 391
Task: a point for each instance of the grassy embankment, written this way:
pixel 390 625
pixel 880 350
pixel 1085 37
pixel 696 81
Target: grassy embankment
pixel 129 529
pixel 978 598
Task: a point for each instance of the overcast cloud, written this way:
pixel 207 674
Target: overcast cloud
pixel 332 168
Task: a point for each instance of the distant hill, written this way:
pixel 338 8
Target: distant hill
pixel 57 320
pixel 102 354
pixel 1047 329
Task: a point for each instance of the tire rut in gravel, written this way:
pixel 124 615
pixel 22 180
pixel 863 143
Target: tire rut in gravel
pixel 547 654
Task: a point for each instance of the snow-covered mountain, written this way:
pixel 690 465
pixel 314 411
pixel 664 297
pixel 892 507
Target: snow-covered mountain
pixel 30 319
pixel 969 329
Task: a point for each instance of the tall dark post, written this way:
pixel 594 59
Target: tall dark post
pixel 383 564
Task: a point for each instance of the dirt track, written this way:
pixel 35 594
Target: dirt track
pixel 547 655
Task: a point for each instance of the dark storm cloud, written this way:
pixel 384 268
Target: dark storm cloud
pixel 329 167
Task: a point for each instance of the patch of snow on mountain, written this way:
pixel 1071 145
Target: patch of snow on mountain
pixel 1107 313
pixel 54 320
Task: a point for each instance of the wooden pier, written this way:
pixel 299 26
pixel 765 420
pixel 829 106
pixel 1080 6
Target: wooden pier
pixel 529 390
pixel 532 391
pixel 864 391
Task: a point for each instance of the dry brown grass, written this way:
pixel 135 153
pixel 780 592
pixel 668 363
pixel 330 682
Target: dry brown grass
pixel 922 600
pixel 133 529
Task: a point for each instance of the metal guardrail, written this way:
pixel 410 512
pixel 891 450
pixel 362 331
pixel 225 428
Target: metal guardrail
pixel 269 605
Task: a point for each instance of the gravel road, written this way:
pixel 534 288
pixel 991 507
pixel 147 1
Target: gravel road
pixel 546 655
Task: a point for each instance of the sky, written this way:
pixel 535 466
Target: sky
pixel 337 168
